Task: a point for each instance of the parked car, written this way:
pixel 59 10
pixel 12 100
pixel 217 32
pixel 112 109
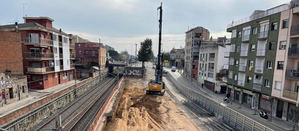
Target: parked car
pixel 173 68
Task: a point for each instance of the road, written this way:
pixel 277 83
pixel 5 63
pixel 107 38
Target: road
pixel 202 118
pixel 274 124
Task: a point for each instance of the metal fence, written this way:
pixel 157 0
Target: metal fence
pixel 229 116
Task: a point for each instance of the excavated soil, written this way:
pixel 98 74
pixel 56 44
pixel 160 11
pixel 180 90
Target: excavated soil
pixel 139 112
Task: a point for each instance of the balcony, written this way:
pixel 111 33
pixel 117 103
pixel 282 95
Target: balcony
pixel 293 53
pixel 241 82
pixel 39 70
pixel 295 30
pixel 245 38
pixel 38 42
pixel 260 52
pixel 242 67
pixel 244 52
pixel 290 94
pixel 257 86
pixel 259 69
pixel 212 59
pixel 211 70
pixel 263 35
pixel 38 56
pixel 292 74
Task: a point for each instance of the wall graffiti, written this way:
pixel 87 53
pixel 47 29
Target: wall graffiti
pixel 134 71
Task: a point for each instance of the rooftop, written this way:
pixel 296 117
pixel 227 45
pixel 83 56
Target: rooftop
pixel 260 14
pixel 37 18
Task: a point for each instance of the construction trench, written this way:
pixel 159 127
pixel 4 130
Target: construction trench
pixel 134 110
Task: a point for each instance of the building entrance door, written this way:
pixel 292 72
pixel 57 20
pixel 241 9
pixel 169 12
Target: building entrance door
pixel 10 93
pixel 58 78
pixel 279 108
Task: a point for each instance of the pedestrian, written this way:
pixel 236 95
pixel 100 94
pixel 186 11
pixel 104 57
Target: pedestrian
pixel 201 85
pixel 3 98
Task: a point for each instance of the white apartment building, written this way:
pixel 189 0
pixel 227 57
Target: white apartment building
pixel 213 64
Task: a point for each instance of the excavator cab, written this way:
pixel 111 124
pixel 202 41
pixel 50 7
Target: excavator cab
pixel 155 88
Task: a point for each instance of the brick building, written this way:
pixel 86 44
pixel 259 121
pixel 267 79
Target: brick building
pixel 89 54
pixel 37 50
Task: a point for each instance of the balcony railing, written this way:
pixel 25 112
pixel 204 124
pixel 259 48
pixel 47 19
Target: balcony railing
pixel 242 67
pixel 257 87
pixel 244 53
pixel 241 82
pixel 211 70
pixel 290 94
pixel 295 30
pixel 38 42
pixel 39 70
pixel 263 34
pixel 292 74
pixel 38 56
pixel 212 59
pixel 293 52
pixel 259 69
pixel 260 52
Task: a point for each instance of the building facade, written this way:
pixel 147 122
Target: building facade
pixel 177 57
pixel 213 64
pixel 13 88
pixel 45 52
pixel 286 79
pixel 192 42
pixel 251 67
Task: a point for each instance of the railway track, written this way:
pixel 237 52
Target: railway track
pixel 85 106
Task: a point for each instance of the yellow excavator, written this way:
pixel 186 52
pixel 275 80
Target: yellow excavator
pixel 157 85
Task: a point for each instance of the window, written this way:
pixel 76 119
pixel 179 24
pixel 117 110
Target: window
pixel 274 26
pixel 233 48
pixel 54 37
pixel 46 78
pixel 248 79
pixel 230 75
pixel 253 47
pixel 42 36
pixel 267 83
pixel 277 85
pixel 236 62
pixel 238 48
pixel 64 75
pixel 246 33
pixel 254 31
pixel 271 46
pixel 269 64
pixel 280 65
pixel 239 34
pixel 23 89
pixel 236 77
pixel 285 23
pixel 234 33
pixel 231 61
pixel 282 45
pixel 65 40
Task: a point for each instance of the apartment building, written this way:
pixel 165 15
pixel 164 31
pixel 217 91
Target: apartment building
pixel 213 64
pixel 43 53
pixel 252 58
pixel 192 42
pixel 286 75
pixel 89 54
pixel 177 58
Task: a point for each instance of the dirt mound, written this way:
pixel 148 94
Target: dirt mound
pixel 138 112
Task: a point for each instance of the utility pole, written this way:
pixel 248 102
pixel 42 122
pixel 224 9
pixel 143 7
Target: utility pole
pixel 136 50
pixel 159 67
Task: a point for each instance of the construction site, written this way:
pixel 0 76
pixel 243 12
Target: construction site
pixel 138 111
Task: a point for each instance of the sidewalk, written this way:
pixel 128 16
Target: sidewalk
pixel 34 95
pixel 275 123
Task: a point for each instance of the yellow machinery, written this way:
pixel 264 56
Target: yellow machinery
pixel 157 85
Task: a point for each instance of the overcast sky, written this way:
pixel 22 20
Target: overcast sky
pixel 124 23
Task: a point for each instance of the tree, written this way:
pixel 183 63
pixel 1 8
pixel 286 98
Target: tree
pixel 113 54
pixel 145 53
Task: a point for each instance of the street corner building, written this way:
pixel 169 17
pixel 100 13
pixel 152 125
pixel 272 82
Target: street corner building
pixel 36 49
pixel 264 61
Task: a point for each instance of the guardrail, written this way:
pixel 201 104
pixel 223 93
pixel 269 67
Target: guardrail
pixel 32 118
pixel 229 116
